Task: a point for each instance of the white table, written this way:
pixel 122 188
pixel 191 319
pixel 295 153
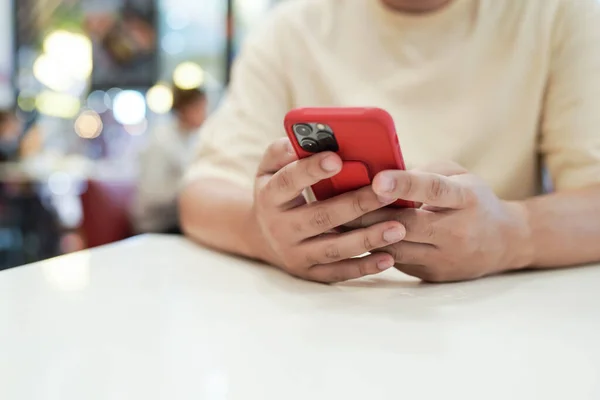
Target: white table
pixel 159 318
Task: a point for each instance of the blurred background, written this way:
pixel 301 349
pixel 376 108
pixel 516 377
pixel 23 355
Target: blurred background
pixel 84 86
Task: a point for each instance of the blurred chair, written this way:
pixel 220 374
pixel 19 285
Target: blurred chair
pixel 106 207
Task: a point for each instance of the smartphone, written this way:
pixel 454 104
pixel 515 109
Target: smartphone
pixel 364 138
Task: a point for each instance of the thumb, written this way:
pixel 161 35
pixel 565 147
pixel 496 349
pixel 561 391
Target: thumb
pixel 446 168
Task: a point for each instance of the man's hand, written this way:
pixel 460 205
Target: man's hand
pixel 297 236
pixel 462 231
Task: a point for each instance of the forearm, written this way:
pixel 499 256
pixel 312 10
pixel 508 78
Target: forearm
pixel 564 228
pixel 219 214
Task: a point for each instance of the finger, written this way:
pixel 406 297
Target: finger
pixel 442 168
pixel 279 154
pixel 289 182
pixel 350 269
pixel 423 187
pixel 320 217
pixel 337 247
pixel 295 203
pixel 420 224
pixel 372 218
pixel 412 253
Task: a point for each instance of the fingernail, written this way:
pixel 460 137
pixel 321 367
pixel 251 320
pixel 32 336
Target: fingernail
pixel 330 164
pixel 385 264
pixel 387 184
pixel 393 235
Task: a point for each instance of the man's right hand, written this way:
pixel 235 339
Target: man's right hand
pixel 297 236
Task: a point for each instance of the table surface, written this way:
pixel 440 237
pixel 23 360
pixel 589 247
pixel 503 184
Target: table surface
pixel 157 317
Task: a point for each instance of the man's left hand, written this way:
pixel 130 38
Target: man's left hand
pixel 461 231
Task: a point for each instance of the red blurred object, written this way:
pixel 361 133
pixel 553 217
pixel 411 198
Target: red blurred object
pixel 106 217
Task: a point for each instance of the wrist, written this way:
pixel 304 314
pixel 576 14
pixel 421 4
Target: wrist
pixel 522 249
pixel 255 245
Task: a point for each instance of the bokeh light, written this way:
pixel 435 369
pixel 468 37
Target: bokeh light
pixel 173 43
pixel 88 125
pixel 51 72
pixel 58 105
pixel 188 75
pixel 99 101
pixel 137 129
pixel 129 107
pixel 69 208
pixel 60 183
pixel 72 50
pixel 66 62
pixel 160 99
pixel 177 19
pixel 112 93
pixel 26 101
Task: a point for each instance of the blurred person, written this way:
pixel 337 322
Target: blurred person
pixel 480 90
pixel 18 140
pixel 23 213
pixel 163 162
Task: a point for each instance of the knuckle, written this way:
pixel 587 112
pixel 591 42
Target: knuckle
pixel 338 276
pixel 437 189
pixel 332 253
pixel 284 181
pixel 309 260
pixel 321 219
pixel 407 188
pixel 367 243
pixel 363 267
pixel 355 271
pixel 359 205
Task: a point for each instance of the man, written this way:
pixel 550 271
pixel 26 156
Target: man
pixel 163 163
pixel 486 84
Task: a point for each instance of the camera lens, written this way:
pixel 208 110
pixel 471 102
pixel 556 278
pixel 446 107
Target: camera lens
pixel 327 141
pixel 310 145
pixel 303 129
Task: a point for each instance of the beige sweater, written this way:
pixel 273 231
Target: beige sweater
pixel 490 84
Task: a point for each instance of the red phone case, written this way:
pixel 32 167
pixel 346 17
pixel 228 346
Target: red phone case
pixel 367 142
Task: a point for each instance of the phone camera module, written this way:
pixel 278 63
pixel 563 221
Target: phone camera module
pixel 310 145
pixel 327 141
pixel 303 129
